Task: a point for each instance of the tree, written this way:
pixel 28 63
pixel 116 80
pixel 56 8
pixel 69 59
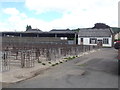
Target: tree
pixel 28 27
pixel 67 29
pixel 101 26
pixel 78 29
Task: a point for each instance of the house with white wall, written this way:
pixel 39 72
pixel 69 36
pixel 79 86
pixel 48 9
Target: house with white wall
pixel 117 36
pixel 116 31
pixel 96 36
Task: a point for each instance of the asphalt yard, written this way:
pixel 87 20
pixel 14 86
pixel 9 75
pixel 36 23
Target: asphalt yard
pixel 95 70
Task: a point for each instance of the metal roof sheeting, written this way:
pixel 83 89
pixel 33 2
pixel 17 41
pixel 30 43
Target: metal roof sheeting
pixel 61 31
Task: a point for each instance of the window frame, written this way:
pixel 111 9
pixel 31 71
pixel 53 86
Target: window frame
pixel 93 40
pixel 105 40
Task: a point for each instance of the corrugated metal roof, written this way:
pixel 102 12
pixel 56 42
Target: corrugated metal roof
pixel 95 33
pixel 61 31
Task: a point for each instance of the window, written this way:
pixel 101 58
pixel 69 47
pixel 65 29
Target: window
pixel 81 39
pixel 105 41
pixel 93 40
pixel 63 38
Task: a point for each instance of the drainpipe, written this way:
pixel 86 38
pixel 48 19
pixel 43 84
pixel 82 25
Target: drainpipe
pixel 55 35
pixel 20 35
pixel 75 38
pixel 37 35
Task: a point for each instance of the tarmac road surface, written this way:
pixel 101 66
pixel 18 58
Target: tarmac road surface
pixel 100 71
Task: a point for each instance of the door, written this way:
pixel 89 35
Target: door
pixel 99 42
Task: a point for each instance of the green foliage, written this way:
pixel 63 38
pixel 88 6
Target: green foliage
pixel 65 58
pixel 117 39
pixel 49 62
pixel 60 62
pixel 57 63
pixel 116 29
pixel 43 64
pixel 71 58
pixel 78 29
pixel 70 38
pixel 28 27
pixel 53 64
pixel 67 29
pixel 39 61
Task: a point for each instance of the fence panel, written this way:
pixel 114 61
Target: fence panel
pixel 5 60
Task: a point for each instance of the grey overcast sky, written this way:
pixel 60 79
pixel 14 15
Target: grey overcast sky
pixel 56 14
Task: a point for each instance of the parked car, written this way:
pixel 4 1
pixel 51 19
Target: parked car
pixel 116 42
pixel 117 46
